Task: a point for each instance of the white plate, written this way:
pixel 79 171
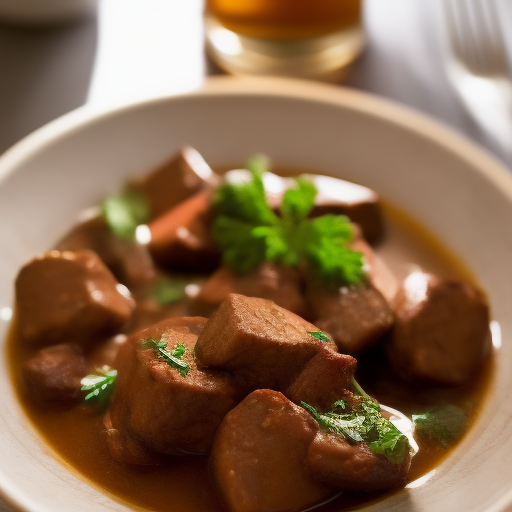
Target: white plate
pixel 454 189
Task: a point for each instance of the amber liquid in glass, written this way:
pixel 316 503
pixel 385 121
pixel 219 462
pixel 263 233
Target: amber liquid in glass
pixel 285 19
pixel 301 38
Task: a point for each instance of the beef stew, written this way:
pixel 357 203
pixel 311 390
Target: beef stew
pixel 258 348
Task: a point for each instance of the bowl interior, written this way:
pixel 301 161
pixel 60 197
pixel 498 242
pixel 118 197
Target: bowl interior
pixel 455 190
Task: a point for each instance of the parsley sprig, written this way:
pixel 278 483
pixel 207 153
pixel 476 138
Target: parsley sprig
pixel 443 425
pixel 99 385
pixel 363 422
pixel 125 211
pixel 248 232
pixel 171 358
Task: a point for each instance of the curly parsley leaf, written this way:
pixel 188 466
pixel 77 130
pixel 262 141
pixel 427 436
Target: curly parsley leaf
pixel 339 404
pixel 363 423
pixel 125 211
pixel 245 201
pixel 442 425
pixel 99 385
pixel 242 250
pixel 173 358
pixel 361 420
pixel 328 251
pixel 391 443
pixel 349 426
pixel 298 202
pixel 248 232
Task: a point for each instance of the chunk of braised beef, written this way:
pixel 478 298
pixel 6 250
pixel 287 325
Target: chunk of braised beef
pixel 177 179
pixel 263 343
pixel 378 273
pixel 269 281
pixel 324 379
pixel 356 316
pixel 69 295
pixel 54 373
pixel 126 448
pixel 180 238
pixel 128 260
pixel 441 331
pixel 155 407
pixel 353 467
pixel 258 457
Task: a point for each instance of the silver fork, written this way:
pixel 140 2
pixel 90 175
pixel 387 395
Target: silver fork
pixel 479 69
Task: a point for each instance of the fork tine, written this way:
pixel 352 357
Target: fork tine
pixel 486 42
pixel 496 36
pixel 461 38
pixel 477 27
pixel 487 30
pixel 453 29
pixel 479 67
pixel 476 36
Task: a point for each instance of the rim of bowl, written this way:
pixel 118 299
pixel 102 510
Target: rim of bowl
pixel 367 103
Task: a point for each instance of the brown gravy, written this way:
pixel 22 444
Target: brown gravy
pixel 75 435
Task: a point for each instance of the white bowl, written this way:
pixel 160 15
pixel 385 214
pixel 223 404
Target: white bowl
pixel 454 189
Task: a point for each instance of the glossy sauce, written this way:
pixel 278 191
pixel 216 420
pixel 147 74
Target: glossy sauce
pixel 184 485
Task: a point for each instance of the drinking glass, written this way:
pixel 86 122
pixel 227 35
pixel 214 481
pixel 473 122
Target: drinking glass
pixel 301 38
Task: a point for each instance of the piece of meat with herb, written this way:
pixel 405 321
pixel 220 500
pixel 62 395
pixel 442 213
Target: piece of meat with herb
pixel 323 380
pixel 177 179
pixel 441 331
pixel 53 374
pixel 122 445
pixel 162 399
pixel 269 281
pixel 69 295
pixel 129 261
pixel 357 447
pixel 353 467
pixel 356 316
pixel 258 457
pixel 180 238
pixel 248 232
pixel 264 344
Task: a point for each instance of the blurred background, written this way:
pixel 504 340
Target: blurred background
pixel 127 50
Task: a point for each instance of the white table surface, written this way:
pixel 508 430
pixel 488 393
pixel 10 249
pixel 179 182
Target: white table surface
pixel 135 49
